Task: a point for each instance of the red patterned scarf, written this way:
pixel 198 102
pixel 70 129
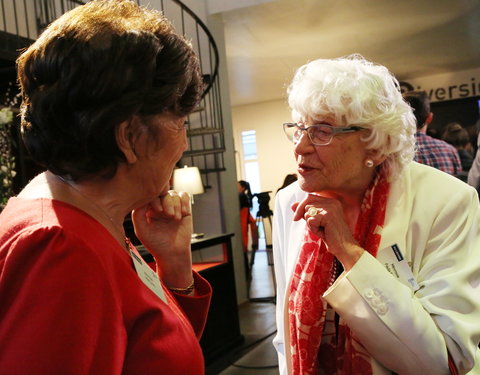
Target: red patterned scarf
pixel 318 344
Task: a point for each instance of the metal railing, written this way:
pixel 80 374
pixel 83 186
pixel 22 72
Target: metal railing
pixel 21 21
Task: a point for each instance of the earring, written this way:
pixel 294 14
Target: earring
pixel 369 163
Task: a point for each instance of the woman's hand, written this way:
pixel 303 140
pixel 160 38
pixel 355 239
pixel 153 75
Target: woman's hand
pixel 164 226
pixel 325 218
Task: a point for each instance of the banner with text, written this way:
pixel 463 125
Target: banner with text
pixel 446 86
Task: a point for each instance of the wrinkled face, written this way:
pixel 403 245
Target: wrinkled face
pixel 338 167
pixel 159 150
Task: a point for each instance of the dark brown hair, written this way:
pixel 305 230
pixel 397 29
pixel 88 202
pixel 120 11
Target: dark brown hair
pixel 420 104
pixel 456 135
pixel 93 68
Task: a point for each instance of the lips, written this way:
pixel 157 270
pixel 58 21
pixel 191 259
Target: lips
pixel 304 168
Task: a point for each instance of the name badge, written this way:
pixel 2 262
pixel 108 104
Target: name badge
pixel 393 260
pixel 148 276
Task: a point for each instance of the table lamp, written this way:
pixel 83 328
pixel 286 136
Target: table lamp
pixel 188 179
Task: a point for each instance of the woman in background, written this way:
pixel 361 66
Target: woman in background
pixel 106 90
pixel 376 256
pixel 458 136
pixel 247 223
pixel 474 172
pixel 289 179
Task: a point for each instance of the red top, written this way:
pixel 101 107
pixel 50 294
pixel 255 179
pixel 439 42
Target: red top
pixel 72 303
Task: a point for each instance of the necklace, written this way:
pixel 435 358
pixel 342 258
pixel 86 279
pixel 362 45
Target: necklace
pixel 98 208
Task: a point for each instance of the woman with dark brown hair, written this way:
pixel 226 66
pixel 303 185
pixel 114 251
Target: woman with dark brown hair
pixel 106 90
pixel 458 137
pixel 247 222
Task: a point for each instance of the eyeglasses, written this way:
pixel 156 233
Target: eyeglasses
pixel 319 134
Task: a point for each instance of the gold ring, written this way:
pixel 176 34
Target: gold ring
pixel 313 211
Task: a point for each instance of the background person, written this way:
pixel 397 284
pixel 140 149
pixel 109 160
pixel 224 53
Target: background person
pixel 474 172
pixel 247 222
pixel 456 135
pixel 431 151
pixel 106 90
pixel 360 201
pixel 289 179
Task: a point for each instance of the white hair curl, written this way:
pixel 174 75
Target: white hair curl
pixel 355 91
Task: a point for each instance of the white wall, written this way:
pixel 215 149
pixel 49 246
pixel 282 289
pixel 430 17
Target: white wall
pixel 274 150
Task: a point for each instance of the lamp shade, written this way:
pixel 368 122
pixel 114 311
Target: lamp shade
pixel 188 179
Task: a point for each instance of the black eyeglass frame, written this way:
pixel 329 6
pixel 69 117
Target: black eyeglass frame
pixel 335 130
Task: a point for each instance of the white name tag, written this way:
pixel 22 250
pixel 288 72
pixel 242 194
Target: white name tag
pixel 148 276
pixel 393 260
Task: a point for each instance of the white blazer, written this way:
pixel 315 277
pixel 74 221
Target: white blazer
pixel 434 219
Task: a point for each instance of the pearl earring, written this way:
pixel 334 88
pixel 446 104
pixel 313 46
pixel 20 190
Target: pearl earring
pixel 369 163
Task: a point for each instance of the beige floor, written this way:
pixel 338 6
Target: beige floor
pixel 257 323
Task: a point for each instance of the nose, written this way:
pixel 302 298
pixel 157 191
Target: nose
pixel 304 145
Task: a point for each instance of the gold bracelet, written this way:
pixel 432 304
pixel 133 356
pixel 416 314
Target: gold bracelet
pixel 184 291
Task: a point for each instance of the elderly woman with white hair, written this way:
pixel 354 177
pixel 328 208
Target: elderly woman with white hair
pixel 376 256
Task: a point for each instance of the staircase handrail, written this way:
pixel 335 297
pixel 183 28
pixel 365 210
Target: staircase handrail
pixel 204 27
pixel 211 41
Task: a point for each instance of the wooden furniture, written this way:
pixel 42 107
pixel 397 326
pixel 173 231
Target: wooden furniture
pixel 212 257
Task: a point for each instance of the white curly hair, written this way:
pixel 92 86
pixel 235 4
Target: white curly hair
pixel 355 91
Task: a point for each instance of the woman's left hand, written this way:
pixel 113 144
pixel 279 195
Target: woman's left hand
pixel 164 226
pixel 326 219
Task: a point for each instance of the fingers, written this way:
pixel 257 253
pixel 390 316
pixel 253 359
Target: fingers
pixel 312 211
pixel 294 206
pixel 172 205
pixel 301 207
pixel 298 208
pixel 315 218
pixel 156 205
pixel 176 205
pixel 186 203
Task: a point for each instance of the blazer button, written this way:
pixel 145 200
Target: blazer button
pixel 369 293
pixel 382 309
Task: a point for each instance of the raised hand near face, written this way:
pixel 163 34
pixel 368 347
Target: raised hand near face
pixel 326 219
pixel 164 226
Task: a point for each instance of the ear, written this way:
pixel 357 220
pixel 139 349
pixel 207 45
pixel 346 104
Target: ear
pixel 376 157
pixel 125 140
pixel 429 118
